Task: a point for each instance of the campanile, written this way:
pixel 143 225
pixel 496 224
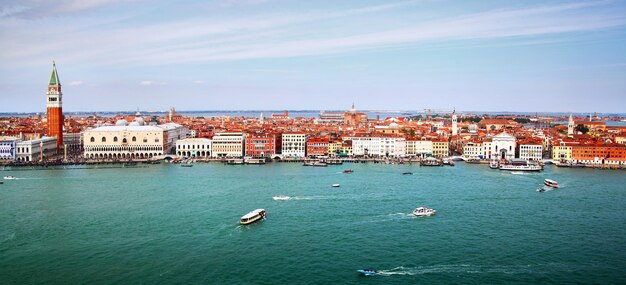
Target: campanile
pixel 54 106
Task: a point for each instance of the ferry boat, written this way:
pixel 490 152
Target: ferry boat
pixel 447 161
pixel 367 272
pixel 348 171
pixel 252 217
pixel 551 183
pixel 10 177
pixel 494 164
pixel 431 161
pixel 520 165
pixel 424 212
pixel 315 163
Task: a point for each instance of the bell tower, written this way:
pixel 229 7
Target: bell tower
pixel 54 106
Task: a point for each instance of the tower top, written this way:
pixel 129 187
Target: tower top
pixel 54 77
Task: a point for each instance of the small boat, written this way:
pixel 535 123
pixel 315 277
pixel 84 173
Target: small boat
pixel 367 272
pixel 494 164
pixel 281 197
pixel 407 173
pixel 423 212
pixel 336 185
pixel 348 171
pixel 252 217
pixel 9 177
pixel 186 165
pixel 551 183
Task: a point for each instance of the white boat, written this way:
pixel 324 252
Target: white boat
pixel 252 217
pixel 336 185
pixel 10 177
pixel 281 197
pixel 520 165
pixel 551 183
pixel 494 164
pixel 423 212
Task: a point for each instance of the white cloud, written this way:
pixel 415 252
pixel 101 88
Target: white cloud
pixel 76 83
pixel 152 82
pixel 198 81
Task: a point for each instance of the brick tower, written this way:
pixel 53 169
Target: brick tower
pixel 54 106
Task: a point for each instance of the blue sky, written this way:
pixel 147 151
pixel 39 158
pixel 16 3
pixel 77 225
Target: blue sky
pixel 562 56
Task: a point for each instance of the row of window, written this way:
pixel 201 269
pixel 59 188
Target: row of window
pixel 133 139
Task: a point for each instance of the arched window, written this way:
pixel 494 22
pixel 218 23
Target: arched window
pixel 134 139
pixel 104 139
pixel 93 139
pixel 124 140
pixel 145 140
pixel 156 140
pixel 114 139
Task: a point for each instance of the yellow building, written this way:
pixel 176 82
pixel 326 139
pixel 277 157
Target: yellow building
pixel 441 148
pixel 334 148
pixel 562 152
pixel 346 148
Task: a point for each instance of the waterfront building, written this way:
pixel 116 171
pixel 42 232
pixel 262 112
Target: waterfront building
pixel 473 150
pixel 173 133
pixel 8 147
pixel 562 151
pixel 346 148
pixel 441 147
pixel 36 150
pixel 503 146
pixel 294 144
pixel 423 148
pixel 124 141
pixel 261 144
pixel 599 153
pixel 317 146
pixel 334 147
pixel 531 149
pixel 194 147
pixel 228 144
pixel 378 145
pixel 331 117
pixel 54 107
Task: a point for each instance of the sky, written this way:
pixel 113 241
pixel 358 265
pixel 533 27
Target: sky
pixel 114 55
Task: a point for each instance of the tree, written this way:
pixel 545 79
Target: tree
pixel 582 128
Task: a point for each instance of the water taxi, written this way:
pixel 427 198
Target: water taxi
pixel 551 183
pixel 252 217
pixel 281 197
pixel 348 171
pixel 367 272
pixel 336 185
pixel 423 212
pixel 10 177
pixel 494 164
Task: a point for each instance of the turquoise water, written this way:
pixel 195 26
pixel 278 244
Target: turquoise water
pixel 172 225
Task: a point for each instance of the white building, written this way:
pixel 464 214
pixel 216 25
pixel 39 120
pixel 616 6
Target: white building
pixel 7 147
pixel 228 145
pixel 173 132
pixel 473 150
pixel 294 145
pixel 35 150
pixel 123 142
pixel 503 146
pixel 194 147
pixel 531 151
pixel 379 145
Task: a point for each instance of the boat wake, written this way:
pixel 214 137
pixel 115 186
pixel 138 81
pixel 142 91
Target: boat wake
pixel 458 268
pixel 286 198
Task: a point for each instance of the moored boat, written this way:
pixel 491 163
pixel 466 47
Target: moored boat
pixel 252 217
pixel 551 183
pixel 423 212
pixel 336 185
pixel 520 165
pixel 494 164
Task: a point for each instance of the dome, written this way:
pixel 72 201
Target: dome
pixel 140 121
pixel 121 122
pixel 393 125
pixel 135 123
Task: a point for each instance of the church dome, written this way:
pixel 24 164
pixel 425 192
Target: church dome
pixel 140 121
pixel 121 122
pixel 134 123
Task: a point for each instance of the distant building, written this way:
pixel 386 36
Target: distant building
pixel 194 147
pixel 331 117
pixel 531 150
pixel 8 147
pixel 230 144
pixel 473 150
pixel 294 144
pixel 36 150
pixel 352 117
pixel 317 146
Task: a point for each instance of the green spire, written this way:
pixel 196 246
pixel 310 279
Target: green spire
pixel 54 77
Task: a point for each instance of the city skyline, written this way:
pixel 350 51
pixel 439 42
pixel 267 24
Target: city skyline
pixel 559 56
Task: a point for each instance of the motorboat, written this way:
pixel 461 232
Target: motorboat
pixel 545 189
pixel 407 173
pixel 551 183
pixel 316 163
pixel 423 212
pixel 348 171
pixel 494 164
pixel 367 272
pixel 336 185
pixel 252 217
pixel 10 177
pixel 281 197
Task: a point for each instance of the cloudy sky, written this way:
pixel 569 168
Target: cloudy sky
pixel 278 54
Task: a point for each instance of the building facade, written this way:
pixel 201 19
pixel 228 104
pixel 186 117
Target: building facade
pixel 123 142
pixel 194 147
pixel 531 151
pixel 259 145
pixel 294 144
pixel 503 146
pixel 8 147
pixel 230 144
pixel 317 146
pixel 36 150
